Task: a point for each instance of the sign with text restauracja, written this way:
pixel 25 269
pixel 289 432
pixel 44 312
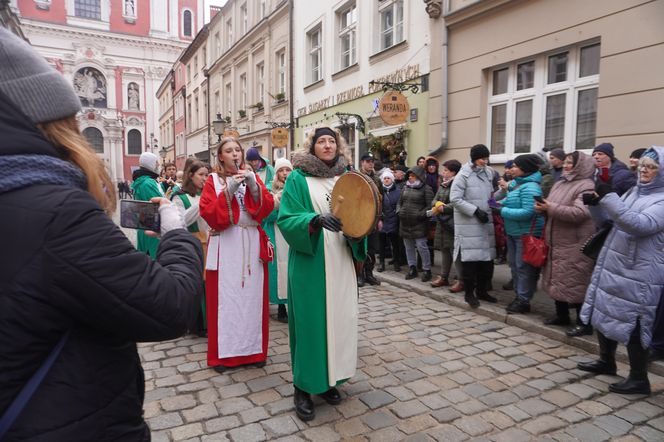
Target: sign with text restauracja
pixel 407 73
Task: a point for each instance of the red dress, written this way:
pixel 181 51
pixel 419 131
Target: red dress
pixel 236 284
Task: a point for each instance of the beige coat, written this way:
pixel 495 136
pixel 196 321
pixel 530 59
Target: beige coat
pixel 567 271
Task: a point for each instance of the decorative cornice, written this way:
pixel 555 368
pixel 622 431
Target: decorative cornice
pixel 76 33
pixel 474 10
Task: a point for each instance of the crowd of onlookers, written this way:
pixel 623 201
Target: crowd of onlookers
pixel 478 218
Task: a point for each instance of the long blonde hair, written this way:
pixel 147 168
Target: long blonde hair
pixel 67 137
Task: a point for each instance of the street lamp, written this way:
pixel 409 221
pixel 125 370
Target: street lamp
pixel 162 153
pixel 219 126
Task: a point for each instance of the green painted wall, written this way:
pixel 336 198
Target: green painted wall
pixel 417 142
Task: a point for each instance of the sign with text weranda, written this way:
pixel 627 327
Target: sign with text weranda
pixel 279 137
pixel 393 108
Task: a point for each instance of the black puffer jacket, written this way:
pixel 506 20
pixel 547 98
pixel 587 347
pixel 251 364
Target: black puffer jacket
pixel 64 266
pixel 413 206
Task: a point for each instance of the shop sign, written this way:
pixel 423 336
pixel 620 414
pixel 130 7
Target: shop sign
pixel 393 108
pixel 231 133
pixel 279 137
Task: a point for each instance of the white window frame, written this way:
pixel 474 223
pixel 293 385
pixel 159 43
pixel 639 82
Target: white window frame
pixel 349 31
pixel 393 6
pixel 193 22
pixel 229 33
pixel 281 71
pixel 314 76
pixel 263 8
pixel 243 92
pixel 229 99
pixel 244 16
pixel 260 83
pixel 538 94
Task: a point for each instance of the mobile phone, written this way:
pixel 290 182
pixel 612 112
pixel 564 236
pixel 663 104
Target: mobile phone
pixel 538 198
pixel 141 215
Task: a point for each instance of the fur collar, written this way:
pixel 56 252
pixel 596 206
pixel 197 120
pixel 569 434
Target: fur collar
pixel 312 165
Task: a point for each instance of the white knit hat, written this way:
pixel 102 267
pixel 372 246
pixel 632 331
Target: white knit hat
pixel 282 162
pixel 387 172
pixel 149 161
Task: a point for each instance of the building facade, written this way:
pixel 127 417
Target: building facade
pixel 116 53
pixel 520 76
pixel 167 117
pixel 248 71
pixel 339 49
pixel 196 139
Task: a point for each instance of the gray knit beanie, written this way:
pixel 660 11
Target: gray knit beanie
pixel 34 87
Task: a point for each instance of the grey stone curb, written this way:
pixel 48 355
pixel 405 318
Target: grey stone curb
pixel 531 322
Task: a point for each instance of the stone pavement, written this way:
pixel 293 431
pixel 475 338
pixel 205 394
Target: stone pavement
pixel 427 370
pixel 542 308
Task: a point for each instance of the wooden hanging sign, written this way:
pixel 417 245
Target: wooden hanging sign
pixel 393 108
pixel 279 137
pixel 231 133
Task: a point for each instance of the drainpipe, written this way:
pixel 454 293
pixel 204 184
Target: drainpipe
pixel 291 103
pixel 444 139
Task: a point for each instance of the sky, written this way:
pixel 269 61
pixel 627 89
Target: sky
pixel 213 3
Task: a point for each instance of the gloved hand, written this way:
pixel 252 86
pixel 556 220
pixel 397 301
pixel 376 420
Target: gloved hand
pixel 170 217
pixel 328 221
pixel 496 210
pixel 481 215
pixel 602 189
pixel 233 185
pixel 589 199
pixel 250 179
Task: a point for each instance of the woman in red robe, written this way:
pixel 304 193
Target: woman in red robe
pixel 233 203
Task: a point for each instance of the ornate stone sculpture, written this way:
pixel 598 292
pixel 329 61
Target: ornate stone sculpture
pixel 434 8
pixel 133 97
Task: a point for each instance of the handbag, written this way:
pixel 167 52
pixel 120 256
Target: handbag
pixel 535 250
pixel 595 242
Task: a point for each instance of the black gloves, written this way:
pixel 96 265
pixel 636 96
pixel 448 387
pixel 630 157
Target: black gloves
pixel 481 215
pixel 589 199
pixel 602 189
pixel 327 221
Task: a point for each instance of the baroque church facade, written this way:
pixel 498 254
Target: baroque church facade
pixel 116 54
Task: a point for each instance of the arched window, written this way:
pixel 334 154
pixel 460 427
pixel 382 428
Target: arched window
pixel 133 97
pixel 90 86
pixel 95 138
pixel 186 23
pixel 134 144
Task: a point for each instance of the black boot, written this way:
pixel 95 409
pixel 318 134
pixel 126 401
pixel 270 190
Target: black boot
pixel 637 382
pixel 282 315
pixel 360 281
pixel 562 315
pixel 412 273
pixel 426 276
pixel 581 329
pixel 607 357
pixel 518 306
pixel 370 278
pixel 331 396
pixel 482 292
pixel 304 406
pixel 381 266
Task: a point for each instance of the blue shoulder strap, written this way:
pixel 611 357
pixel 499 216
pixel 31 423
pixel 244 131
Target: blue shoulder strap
pixel 29 389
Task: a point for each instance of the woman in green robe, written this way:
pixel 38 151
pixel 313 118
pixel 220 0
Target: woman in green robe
pixel 322 285
pixel 145 187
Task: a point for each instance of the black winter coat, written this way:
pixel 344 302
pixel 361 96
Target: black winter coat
pixel 66 266
pixel 413 206
pixel 389 207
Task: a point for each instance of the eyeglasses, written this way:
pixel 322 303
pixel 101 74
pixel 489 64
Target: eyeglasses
pixel 649 166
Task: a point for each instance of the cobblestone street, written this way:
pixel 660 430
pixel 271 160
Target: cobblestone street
pixel 426 371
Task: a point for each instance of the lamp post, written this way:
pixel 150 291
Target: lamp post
pixel 162 153
pixel 219 126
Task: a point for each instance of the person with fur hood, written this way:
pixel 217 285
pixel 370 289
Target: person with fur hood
pixel 568 223
pixel 322 284
pixel 412 209
pixel 628 280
